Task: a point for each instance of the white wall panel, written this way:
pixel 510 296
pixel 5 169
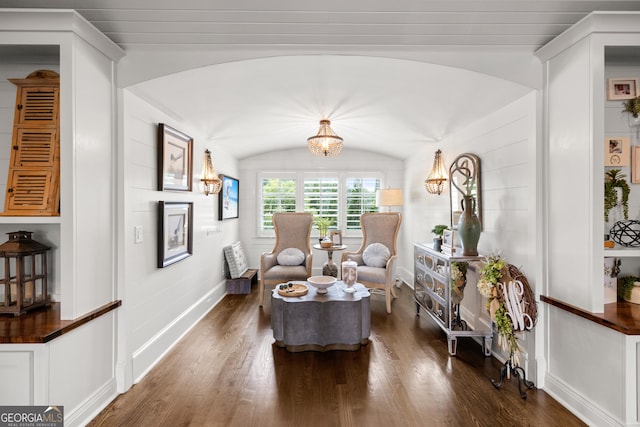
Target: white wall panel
pixel 93 186
pixel 570 165
pixel 162 303
pixel 16 371
pixel 599 391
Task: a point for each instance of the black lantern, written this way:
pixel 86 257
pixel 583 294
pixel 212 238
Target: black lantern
pixel 24 274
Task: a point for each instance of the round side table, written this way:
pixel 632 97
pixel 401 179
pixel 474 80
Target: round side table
pixel 330 268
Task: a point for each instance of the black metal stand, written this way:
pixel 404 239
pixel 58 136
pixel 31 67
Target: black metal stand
pixel 457 321
pixel 518 372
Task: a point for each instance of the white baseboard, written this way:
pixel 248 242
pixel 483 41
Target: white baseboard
pixel 91 406
pixel 148 355
pixel 583 408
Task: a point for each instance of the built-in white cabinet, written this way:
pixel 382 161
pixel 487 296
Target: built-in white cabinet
pixel 575 127
pixel 83 238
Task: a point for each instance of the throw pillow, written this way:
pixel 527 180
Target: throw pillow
pixel 376 255
pixel 236 260
pixel 290 256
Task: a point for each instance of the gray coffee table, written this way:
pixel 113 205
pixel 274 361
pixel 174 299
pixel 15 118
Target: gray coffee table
pixel 322 322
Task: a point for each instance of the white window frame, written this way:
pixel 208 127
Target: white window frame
pixel 299 177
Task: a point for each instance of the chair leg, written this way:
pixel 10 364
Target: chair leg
pixel 261 293
pixel 393 291
pixel 387 296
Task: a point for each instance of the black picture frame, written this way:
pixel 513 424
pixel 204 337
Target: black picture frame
pixel 175 159
pixel 175 232
pixel 228 198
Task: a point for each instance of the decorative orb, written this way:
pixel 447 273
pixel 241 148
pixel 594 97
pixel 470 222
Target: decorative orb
pixel 321 283
pixel 626 232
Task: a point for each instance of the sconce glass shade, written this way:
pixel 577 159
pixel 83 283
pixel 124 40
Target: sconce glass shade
pixel 212 184
pixel 390 197
pixel 326 143
pixel 434 183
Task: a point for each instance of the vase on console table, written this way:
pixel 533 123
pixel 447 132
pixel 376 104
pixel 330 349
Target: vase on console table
pixel 469 227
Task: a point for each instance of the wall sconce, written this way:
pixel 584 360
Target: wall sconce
pixel 434 183
pixel 212 184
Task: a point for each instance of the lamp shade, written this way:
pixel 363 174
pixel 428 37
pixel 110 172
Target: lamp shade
pixel 390 197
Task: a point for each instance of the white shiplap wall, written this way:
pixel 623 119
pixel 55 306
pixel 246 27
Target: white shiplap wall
pixel 162 303
pixel 506 143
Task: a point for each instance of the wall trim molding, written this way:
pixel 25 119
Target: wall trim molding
pixel 92 405
pixel 583 408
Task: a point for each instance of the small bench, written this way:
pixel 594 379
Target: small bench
pixel 239 277
pixel 242 284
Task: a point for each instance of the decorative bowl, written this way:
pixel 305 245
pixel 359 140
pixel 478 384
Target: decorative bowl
pixel 321 283
pixel 326 244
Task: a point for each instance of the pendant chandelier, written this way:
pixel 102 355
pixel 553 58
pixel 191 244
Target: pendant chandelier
pixel 212 184
pixel 435 181
pixel 326 143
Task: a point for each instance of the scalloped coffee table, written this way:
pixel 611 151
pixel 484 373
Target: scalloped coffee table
pixel 336 320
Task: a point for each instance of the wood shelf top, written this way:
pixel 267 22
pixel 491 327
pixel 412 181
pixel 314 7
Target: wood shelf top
pixel 620 316
pixel 43 325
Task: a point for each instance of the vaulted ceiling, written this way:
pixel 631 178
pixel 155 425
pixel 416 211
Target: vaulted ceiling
pixel 368 65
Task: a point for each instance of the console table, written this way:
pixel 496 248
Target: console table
pixel 336 320
pixel 432 292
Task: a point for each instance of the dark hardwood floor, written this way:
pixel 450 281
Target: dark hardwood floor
pixel 227 371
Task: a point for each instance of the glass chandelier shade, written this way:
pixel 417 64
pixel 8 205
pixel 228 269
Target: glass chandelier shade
pixel 212 184
pixel 326 143
pixel 434 183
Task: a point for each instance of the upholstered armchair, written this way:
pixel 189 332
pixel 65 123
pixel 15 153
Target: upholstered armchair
pixel 376 257
pixel 291 257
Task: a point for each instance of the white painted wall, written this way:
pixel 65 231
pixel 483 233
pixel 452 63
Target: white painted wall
pixel 506 143
pixel 162 303
pixel 301 159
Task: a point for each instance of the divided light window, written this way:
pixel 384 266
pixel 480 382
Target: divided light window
pixel 321 196
pixel 361 198
pixel 278 195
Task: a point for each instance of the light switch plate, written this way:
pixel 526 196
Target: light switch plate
pixel 137 233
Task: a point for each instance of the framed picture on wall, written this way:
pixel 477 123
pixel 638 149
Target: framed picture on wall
pixel 617 151
pixel 623 88
pixel 175 232
pixel 175 159
pixel 228 198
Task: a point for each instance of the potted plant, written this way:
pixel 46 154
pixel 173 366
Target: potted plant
pixel 632 106
pixel 614 179
pixel 323 224
pixel 438 230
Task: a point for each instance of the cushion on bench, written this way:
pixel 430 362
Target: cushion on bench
pixel 236 259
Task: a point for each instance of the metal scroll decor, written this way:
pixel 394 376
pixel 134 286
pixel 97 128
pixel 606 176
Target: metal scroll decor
pixel 626 233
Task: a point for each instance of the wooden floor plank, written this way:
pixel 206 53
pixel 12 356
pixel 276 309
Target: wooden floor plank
pixel 227 371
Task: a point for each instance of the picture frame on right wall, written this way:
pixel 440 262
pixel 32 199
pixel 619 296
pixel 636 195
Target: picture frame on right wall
pixel 622 88
pixel 228 198
pixel 617 151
